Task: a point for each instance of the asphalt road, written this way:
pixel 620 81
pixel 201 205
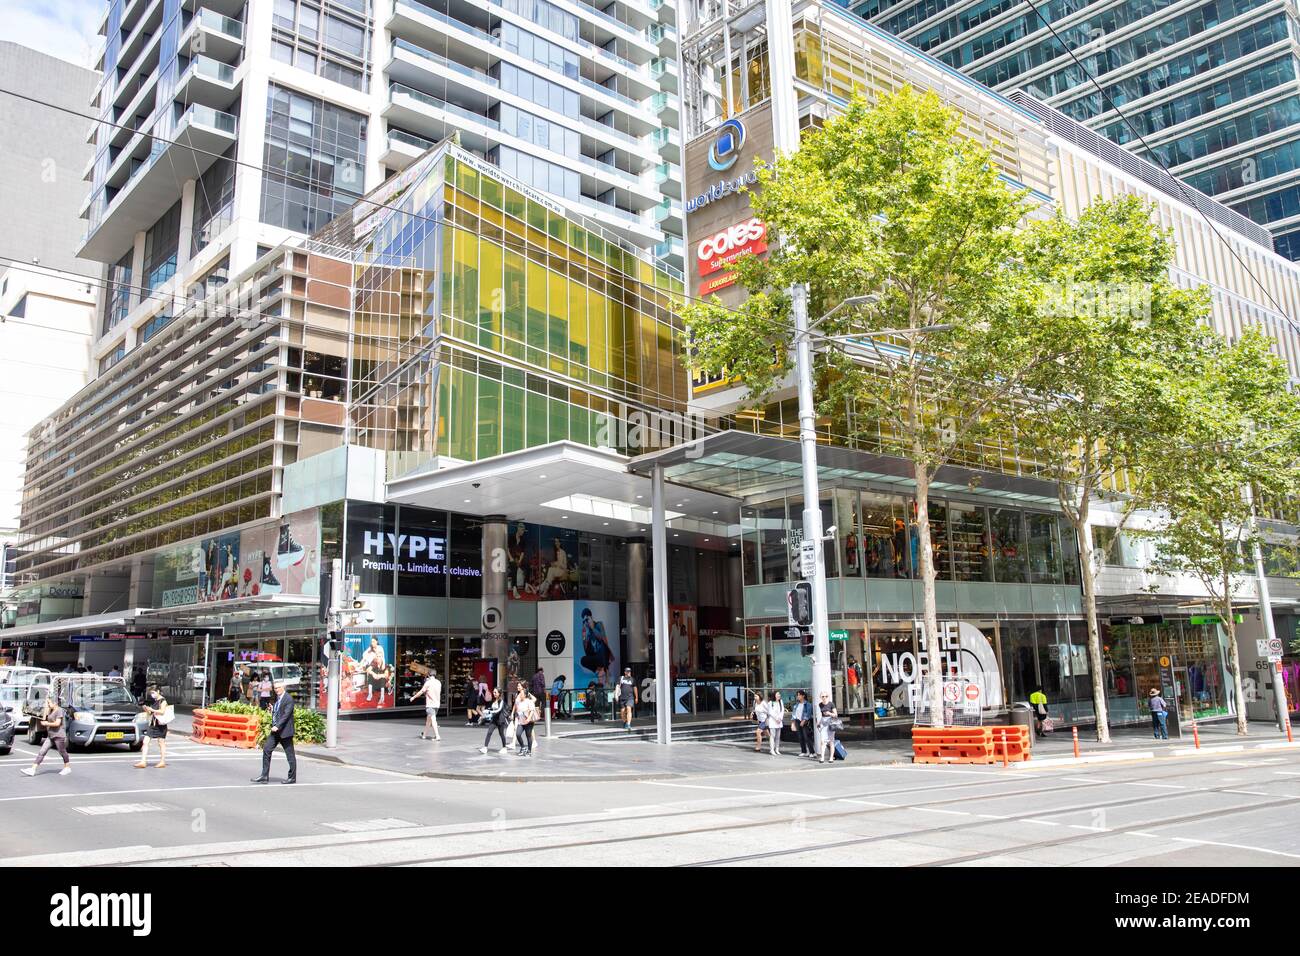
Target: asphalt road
pixel 1208 810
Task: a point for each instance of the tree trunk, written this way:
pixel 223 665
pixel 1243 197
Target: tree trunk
pixel 1233 660
pixel 929 613
pixel 1083 531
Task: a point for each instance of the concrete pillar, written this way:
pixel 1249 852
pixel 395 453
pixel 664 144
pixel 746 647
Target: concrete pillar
pixel 495 632
pixel 106 593
pixel 663 680
pixel 638 632
pixel 137 271
pixel 735 595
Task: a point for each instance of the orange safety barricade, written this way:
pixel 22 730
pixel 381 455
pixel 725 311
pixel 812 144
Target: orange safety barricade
pixel 952 745
pixel 226 730
pixel 1011 743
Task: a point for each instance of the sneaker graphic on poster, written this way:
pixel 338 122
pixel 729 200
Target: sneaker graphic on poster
pixel 289 552
pixel 270 584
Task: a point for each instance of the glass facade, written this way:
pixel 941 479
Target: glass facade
pixel 329 39
pixel 314 159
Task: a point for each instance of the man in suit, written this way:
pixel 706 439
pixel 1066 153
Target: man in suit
pixel 282 734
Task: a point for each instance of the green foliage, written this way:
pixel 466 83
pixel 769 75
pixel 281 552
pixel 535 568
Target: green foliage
pixel 308 725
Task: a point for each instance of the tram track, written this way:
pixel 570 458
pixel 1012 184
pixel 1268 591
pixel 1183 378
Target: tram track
pixel 804 800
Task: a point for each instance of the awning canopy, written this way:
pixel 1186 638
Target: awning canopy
pixel 750 467
pixel 568 485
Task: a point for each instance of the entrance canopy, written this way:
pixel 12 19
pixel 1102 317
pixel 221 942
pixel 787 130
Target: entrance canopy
pixel 568 485
pixel 746 466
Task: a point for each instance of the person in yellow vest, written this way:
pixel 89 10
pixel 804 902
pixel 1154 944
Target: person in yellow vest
pixel 1038 701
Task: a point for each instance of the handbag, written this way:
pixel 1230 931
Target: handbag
pixel 167 716
pixel 835 724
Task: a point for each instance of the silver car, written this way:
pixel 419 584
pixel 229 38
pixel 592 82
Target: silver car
pixel 99 710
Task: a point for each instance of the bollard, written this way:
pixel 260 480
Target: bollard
pixel 548 715
pixel 1075 732
pixel 1288 729
pixel 1196 736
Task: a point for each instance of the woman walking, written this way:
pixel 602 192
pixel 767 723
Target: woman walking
pixel 524 713
pixel 155 705
pixel 493 713
pixel 759 713
pixel 471 701
pixel 829 723
pixel 775 723
pixel 56 736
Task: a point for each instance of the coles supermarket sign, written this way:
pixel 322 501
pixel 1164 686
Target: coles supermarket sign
pixel 714 253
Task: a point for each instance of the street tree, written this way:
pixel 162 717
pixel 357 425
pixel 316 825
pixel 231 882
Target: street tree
pixel 892 203
pixel 1240 442
pixel 1096 415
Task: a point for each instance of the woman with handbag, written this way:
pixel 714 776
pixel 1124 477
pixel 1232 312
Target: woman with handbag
pixel 759 714
pixel 829 723
pixel 493 715
pixel 160 714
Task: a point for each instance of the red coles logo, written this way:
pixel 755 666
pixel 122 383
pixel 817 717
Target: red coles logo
pixel 730 244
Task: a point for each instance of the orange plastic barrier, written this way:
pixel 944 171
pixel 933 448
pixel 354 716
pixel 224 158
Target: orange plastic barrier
pixel 1010 743
pixel 225 730
pixel 952 745
pixel 970 744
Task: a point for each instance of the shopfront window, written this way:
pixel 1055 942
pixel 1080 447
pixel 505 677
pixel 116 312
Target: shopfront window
pixel 1044 549
pixel 1206 687
pixel 884 535
pixel 849 523
pixel 939 540
pixel 894 668
pixel 1121 695
pixel 418 657
pixel 1008 533
pixel 1020 660
pixel 970 542
pixel 773 530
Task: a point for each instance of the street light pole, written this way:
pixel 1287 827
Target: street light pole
pixel 812 514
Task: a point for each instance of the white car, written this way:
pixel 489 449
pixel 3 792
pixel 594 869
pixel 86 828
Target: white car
pixel 281 672
pixel 20 674
pixel 11 698
pixel 198 677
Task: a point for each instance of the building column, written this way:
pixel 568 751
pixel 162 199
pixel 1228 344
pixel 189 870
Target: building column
pixel 659 546
pixel 135 296
pixel 735 594
pixel 495 630
pixel 185 242
pixel 638 634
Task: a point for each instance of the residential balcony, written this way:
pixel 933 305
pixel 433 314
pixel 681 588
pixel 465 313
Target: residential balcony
pixel 209 82
pixel 156 169
pixel 403 148
pixel 214 34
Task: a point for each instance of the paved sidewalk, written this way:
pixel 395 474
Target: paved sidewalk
pixel 394 746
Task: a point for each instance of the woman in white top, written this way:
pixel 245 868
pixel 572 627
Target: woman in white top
pixel 760 717
pixel 775 721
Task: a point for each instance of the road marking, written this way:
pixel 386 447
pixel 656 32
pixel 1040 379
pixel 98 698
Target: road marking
pixel 1236 846
pixel 1287 773
pixel 370 826
pixel 1160 786
pixel 992 816
pixel 109 808
pixel 1249 793
pixel 769 793
pixel 951 813
pixel 1046 823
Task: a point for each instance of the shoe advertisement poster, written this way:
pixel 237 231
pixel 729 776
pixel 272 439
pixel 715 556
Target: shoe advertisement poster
pixel 277 558
pixel 366 676
pixel 543 562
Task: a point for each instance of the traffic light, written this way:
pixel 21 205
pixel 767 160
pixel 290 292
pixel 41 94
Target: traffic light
pixel 800 602
pixel 326 579
pixel 354 592
pixel 806 643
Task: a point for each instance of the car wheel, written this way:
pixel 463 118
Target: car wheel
pixel 5 751
pixel 33 735
pixel 139 744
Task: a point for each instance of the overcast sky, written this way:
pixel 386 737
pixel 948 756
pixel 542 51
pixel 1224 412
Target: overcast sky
pixel 63 28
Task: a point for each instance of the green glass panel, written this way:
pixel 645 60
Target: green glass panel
pixel 537 216
pixel 535 427
pixel 536 292
pixel 491 294
pixel 489 418
pixel 578 339
pixel 444 414
pixel 464 402
pixel 579 425
pixel 467 179
pixel 512 419
pixel 559 414
pixel 515 204
pixel 557 303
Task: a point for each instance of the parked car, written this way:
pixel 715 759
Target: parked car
pixel 99 710
pixel 281 672
pixel 7 730
pixel 12 696
pixel 198 676
pixel 20 674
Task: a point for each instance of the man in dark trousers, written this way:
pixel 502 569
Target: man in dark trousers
pixel 282 734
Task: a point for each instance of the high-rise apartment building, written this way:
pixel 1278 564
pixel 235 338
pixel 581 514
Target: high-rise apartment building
pixel 1209 89
pixel 227 126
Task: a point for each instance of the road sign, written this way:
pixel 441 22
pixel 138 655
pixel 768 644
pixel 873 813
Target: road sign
pixel 839 635
pixel 971 705
pixel 951 691
pixel 1274 649
pixel 808 558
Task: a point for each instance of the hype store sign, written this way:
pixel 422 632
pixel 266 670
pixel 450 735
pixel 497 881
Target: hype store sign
pixel 713 254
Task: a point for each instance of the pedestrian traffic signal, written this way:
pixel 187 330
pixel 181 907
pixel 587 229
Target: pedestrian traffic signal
pixel 800 602
pixel 806 643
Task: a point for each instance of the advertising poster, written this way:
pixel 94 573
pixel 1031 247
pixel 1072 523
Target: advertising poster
pixel 366 676
pixel 555 643
pixel 281 558
pixel 596 625
pixel 683 639
pixel 543 562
